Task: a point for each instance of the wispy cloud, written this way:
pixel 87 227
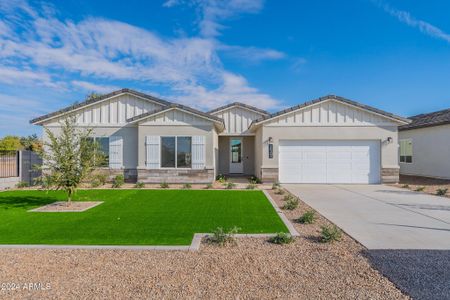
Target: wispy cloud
pixel 406 18
pixel 43 49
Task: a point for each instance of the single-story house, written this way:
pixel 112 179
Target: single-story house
pixel 327 140
pixel 425 145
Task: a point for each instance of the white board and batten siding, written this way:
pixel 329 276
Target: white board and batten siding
pixel 175 117
pixel 309 161
pixel 153 152
pixel 237 119
pixel 331 113
pixel 115 152
pixel 112 112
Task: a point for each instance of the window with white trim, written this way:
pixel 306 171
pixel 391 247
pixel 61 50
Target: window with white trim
pixel 103 146
pixel 406 151
pixel 176 152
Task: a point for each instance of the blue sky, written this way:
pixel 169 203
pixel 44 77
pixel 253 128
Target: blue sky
pixel 394 55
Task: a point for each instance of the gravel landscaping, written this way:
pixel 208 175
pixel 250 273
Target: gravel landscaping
pixel 423 274
pixel 64 206
pixel 429 185
pixel 253 269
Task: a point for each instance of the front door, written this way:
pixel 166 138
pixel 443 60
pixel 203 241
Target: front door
pixel 236 165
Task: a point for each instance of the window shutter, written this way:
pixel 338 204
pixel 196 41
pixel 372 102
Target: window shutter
pixel 152 151
pixel 115 152
pixel 198 152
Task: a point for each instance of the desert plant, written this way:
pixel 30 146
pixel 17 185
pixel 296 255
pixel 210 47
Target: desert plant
pixel 139 185
pixel 441 192
pixel 405 186
pixel 288 197
pixel 187 186
pixel 420 189
pixel 251 186
pixel 308 217
pixel 164 185
pixel 230 185
pixel 282 238
pixel 223 237
pixel 70 157
pixel 22 184
pixel 100 178
pixel 254 180
pixel 221 178
pixel 118 181
pixel 95 183
pixel 279 191
pixel 209 186
pixel 291 204
pixel 275 186
pixel 330 234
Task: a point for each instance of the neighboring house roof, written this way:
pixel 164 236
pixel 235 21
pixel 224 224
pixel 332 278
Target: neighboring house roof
pixel 437 118
pixel 239 104
pixel 96 100
pixel 336 98
pixel 176 106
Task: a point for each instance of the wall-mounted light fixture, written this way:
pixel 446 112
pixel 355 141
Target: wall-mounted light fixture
pixel 389 140
pixel 270 147
pixel 270 140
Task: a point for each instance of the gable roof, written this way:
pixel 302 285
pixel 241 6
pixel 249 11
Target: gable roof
pixel 179 107
pixel 437 118
pixel 239 104
pixel 96 100
pixel 336 98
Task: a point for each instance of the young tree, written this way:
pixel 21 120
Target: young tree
pixel 70 157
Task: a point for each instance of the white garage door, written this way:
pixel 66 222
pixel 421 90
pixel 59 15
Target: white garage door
pixel 303 161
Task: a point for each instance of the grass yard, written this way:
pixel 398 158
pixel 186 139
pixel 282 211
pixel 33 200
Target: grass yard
pixel 133 217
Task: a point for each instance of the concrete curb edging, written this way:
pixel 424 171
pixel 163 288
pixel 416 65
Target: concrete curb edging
pixel 194 246
pixel 283 217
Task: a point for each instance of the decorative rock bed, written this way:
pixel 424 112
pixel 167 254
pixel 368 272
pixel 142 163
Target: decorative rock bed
pixel 63 206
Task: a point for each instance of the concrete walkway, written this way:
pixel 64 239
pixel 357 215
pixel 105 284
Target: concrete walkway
pixel 382 217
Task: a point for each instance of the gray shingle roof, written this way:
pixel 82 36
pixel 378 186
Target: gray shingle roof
pixel 241 105
pixel 437 118
pixel 333 97
pixel 179 106
pixel 98 99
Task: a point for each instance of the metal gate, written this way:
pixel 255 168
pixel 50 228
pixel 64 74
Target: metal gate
pixel 9 164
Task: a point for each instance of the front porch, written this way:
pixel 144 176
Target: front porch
pixel 236 156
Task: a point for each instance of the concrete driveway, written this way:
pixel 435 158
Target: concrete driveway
pixel 382 217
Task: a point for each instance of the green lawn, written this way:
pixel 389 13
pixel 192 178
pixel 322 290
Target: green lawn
pixel 134 217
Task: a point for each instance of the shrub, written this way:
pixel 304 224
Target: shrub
pixel 45 181
pixel 222 237
pixel 288 197
pixel 279 191
pixel 101 178
pixel 95 183
pixel 441 192
pixel 164 185
pixel 405 186
pixel 420 189
pixel 254 180
pixel 22 184
pixel 291 204
pixel 230 185
pixel 282 238
pixel 209 186
pixel 221 178
pixel 139 185
pixel 330 234
pixel 118 181
pixel 275 186
pixel 308 217
pixel 187 186
pixel 251 186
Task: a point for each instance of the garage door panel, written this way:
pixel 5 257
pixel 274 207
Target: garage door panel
pixel 329 161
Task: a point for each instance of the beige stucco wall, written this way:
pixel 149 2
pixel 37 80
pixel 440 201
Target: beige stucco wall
pixel 431 152
pixel 389 151
pixel 248 157
pixel 128 133
pixel 207 130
